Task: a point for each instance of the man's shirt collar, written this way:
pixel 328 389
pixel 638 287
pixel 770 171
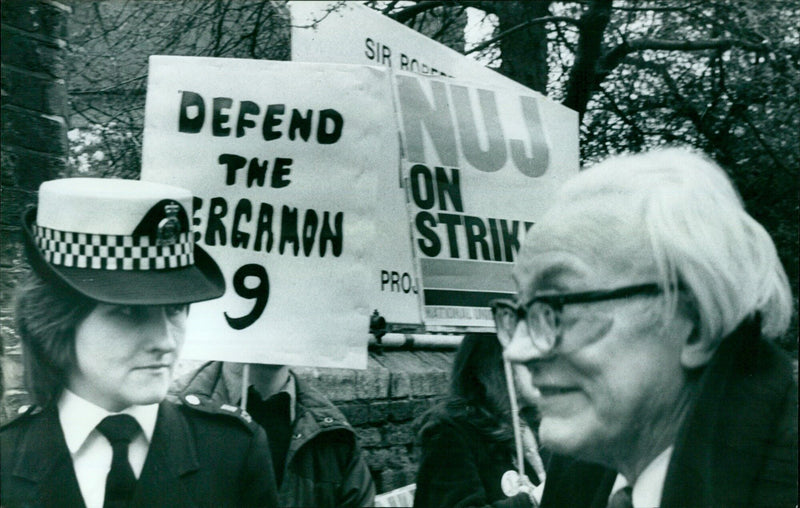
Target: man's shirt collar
pixel 650 484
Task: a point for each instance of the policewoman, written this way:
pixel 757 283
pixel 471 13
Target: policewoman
pixel 102 320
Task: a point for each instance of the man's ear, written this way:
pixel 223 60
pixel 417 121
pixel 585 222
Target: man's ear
pixel 697 350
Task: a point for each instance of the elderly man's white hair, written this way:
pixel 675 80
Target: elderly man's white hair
pixel 700 236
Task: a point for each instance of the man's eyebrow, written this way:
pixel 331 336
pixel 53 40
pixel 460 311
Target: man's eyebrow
pixel 559 276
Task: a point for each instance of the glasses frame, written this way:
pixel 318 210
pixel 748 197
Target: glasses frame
pixel 556 303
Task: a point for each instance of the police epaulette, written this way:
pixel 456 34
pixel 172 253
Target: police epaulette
pixel 205 405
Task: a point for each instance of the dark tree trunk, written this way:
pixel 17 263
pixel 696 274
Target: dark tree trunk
pixel 584 73
pixel 524 51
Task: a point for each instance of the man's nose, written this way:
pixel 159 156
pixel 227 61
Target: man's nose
pixel 521 348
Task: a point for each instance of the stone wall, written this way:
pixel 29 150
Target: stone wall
pixel 34 144
pixel 382 403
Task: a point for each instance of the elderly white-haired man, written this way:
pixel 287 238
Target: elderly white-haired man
pixel 645 295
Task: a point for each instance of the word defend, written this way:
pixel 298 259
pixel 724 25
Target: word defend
pixel 272 122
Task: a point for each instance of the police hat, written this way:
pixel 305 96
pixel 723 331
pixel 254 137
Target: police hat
pixel 124 242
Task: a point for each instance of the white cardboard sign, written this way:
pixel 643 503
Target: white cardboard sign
pixel 284 159
pixel 349 32
pixel 480 165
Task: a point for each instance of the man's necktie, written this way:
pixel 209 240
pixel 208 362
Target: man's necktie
pixel 120 482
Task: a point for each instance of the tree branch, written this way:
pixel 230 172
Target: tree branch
pixel 389 7
pixel 583 78
pixel 412 11
pixel 660 9
pixel 538 21
pixel 613 58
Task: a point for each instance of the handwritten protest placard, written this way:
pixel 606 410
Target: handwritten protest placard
pixel 283 158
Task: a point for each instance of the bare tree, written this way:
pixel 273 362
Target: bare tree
pixel 110 42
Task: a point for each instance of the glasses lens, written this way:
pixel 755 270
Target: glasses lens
pixel 543 326
pixel 505 319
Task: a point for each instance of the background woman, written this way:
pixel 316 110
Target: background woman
pixel 467 441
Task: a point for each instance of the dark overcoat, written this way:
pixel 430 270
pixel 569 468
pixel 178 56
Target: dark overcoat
pixel 737 447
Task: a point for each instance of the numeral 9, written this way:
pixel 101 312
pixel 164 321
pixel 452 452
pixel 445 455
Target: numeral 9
pixel 259 293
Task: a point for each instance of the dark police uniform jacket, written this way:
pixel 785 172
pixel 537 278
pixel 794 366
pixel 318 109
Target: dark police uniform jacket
pixel 737 447
pixel 200 455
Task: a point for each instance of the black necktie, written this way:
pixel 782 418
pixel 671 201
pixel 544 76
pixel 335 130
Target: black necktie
pixel 623 498
pixel 120 482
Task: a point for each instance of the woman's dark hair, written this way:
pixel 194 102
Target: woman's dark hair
pixel 47 315
pixel 478 395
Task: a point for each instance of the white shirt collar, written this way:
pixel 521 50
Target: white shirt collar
pixel 79 417
pixel 650 484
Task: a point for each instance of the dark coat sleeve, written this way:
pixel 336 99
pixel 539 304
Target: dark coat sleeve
pixel 357 489
pixel 258 478
pixel 449 473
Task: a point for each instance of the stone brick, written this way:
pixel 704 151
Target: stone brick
pixel 46 19
pixel 11 246
pixel 400 410
pixel 395 458
pixel 24 52
pixel 34 131
pixel 27 168
pixel 397 434
pixel 424 379
pixel 335 384
pixel 368 436
pixel 357 413
pixel 399 385
pixel 372 383
pixel 14 202
pixel 30 91
pixel 429 382
pixel 378 459
pixel 378 411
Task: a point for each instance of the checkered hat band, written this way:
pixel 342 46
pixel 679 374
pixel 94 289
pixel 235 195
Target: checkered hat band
pixel 112 252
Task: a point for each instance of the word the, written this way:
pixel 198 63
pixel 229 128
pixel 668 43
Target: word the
pixel 256 170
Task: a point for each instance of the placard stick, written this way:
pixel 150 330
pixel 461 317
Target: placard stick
pixel 245 385
pixel 512 396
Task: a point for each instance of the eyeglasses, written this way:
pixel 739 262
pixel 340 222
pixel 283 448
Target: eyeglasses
pixel 542 314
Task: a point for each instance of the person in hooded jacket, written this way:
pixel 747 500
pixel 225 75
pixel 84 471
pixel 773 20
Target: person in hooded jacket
pixel 317 459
